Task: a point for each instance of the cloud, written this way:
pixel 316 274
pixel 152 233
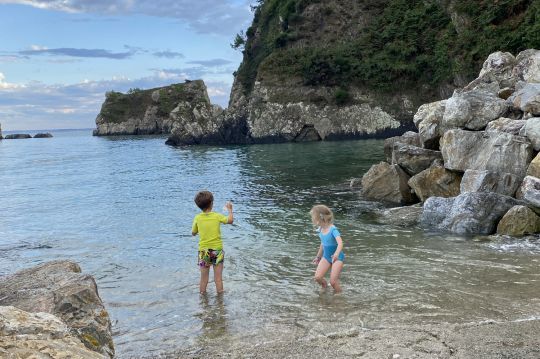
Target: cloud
pixel 210 63
pixel 36 105
pixel 169 54
pixel 73 52
pixel 222 17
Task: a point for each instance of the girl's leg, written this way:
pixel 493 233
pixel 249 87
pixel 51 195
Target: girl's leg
pixel 218 277
pixel 334 275
pixel 205 272
pixel 322 268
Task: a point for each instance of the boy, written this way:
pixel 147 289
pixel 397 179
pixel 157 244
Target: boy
pixel 207 225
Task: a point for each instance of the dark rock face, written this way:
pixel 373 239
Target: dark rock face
pixel 17 136
pixel 43 135
pixel 387 183
pixel 413 159
pixel 59 288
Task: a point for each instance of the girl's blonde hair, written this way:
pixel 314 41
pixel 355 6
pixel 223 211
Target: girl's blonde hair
pixel 321 215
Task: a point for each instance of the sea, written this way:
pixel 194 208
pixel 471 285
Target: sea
pixel 122 207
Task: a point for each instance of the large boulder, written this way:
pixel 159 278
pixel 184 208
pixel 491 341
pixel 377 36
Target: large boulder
pixel 492 151
pixel 534 167
pixel 507 125
pixel 531 130
pixel 436 181
pixel 527 66
pixel 468 213
pixel 38 335
pixel 519 221
pixel 489 181
pixel 529 191
pixel 388 183
pixel 428 120
pixel 413 159
pixel 498 68
pixel 408 138
pixel 59 288
pixel 472 110
pixel 527 98
pixel 407 216
pixel 43 135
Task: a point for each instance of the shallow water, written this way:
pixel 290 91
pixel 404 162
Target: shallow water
pixel 122 208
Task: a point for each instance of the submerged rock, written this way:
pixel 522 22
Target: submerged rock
pixel 408 216
pixel 519 221
pixel 489 181
pixel 17 136
pixel 59 288
pixel 468 213
pixel 388 183
pixel 43 135
pixel 492 151
pixel 39 335
pixel 436 181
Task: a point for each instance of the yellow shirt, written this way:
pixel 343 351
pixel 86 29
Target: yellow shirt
pixel 208 227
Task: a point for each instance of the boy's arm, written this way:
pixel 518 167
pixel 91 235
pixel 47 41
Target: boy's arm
pixel 194 228
pixel 230 218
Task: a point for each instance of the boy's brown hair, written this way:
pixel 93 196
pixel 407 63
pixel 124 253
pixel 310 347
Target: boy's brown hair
pixel 204 199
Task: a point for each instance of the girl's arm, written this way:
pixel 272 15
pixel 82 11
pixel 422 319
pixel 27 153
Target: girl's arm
pixel 335 256
pixel 319 255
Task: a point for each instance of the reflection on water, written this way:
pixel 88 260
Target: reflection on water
pixel 122 208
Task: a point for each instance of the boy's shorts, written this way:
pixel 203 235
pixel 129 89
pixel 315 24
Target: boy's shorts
pixel 211 257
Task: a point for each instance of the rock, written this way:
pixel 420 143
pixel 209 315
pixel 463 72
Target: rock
pixel 507 125
pixel 17 136
pixel 497 69
pixel 489 181
pixel 147 112
pixel 408 216
pixel 492 151
pixel 413 159
pixel 468 213
pixel 436 181
pixel 59 288
pixel 527 98
pixel 355 183
pixel 529 191
pixel 385 182
pixel 519 221
pixel 527 66
pixel 472 110
pixel 1 132
pixel 43 135
pixel 531 130
pixel 505 93
pixel 408 138
pixel 534 167
pixel 428 120
pixel 38 335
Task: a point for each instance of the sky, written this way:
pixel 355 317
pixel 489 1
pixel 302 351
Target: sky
pixel 59 57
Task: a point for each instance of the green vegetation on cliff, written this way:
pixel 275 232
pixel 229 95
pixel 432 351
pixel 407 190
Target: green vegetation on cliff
pixel 382 43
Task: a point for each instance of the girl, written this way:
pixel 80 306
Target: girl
pixel 330 254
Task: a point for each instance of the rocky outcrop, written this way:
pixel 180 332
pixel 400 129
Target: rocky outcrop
pixel 43 135
pixel 435 181
pixel 408 138
pixel 387 183
pixel 519 221
pixel 39 335
pixel 60 289
pixel 408 216
pixel 17 136
pixel 468 213
pixel 154 111
pixel 1 132
pixel 487 135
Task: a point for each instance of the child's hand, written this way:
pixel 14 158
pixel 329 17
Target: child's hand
pixel 228 206
pixel 334 257
pixel 316 260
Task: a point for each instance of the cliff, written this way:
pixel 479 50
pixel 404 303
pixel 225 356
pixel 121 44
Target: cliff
pixel 347 69
pixel 153 111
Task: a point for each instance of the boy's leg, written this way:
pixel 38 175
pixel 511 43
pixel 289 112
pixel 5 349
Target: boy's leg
pixel 205 272
pixel 218 277
pixel 322 268
pixel 334 275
